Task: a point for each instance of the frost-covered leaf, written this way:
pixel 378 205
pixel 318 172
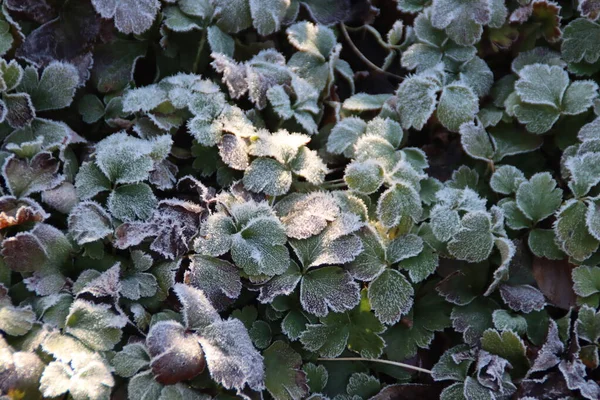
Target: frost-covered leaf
pixel 233 16
pixel 36 175
pixel 474 241
pixel 198 312
pixel 358 329
pixel 539 197
pixel 175 354
pixel 56 87
pixel 571 231
pixel 587 325
pixel 95 324
pixel 130 16
pixel 314 39
pixel 541 243
pixel 421 266
pixel 458 104
pixel 523 298
pixel 132 202
pixel 390 296
pixel 90 181
pixel 316 377
pixel 307 215
pixel 230 356
pixel 363 385
pixel 23 252
pixel 589 9
pixel 328 288
pixel 506 179
pixel 450 367
pixel 267 16
pixel 579 41
pixel 218 279
pixel 131 360
pixel 89 222
pixel 461 19
pixel 17 109
pixel 574 373
pixel 476 142
pixel 584 172
pixel 15 321
pixel 400 200
pixel 416 101
pixel 266 175
pixel 508 346
pixel 586 280
pixel 283 377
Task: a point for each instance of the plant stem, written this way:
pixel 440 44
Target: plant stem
pixel 199 52
pixel 362 56
pixel 397 364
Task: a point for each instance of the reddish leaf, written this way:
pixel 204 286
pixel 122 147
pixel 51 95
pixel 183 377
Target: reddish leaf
pixel 16 212
pixel 23 252
pixel 554 280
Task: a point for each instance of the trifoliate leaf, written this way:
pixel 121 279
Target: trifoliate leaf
pixel 539 197
pixel 231 358
pixel 175 354
pixel 130 16
pixel 400 200
pixel 474 241
pixel 328 288
pixel 390 296
pixel 571 231
pixel 506 179
pixel 586 280
pixel 357 329
pixel 283 377
pixel 132 202
pixel 89 222
pixel 96 325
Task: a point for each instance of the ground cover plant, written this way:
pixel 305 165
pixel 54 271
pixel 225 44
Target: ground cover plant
pixel 290 199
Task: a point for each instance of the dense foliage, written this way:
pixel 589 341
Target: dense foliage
pixel 215 198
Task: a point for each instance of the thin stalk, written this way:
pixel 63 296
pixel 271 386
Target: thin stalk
pixel 364 59
pixel 199 52
pixel 397 364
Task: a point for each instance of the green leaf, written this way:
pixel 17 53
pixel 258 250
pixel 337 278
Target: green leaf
pixel 268 176
pixel 364 177
pixel 504 320
pixel 363 385
pixel 473 319
pixel 90 181
pixel 571 231
pixel 314 39
pixel 218 279
pixel 316 376
pixel 458 104
pixel 539 197
pixel 268 16
pixel 328 288
pixel 89 222
pixel 462 19
pixel 541 243
pixel 506 179
pixel 130 16
pixel 584 171
pixel 400 200
pixel 391 296
pixel 416 101
pixel 131 360
pixel 36 175
pixel 579 97
pixel 508 346
pixel 422 265
pixel 15 321
pixel 198 312
pixel 91 108
pixel 56 87
pixel 132 202
pixel 474 241
pixel 580 38
pixel 114 64
pixel 359 329
pixel 476 142
pixel 586 280
pixel 283 377
pixel 448 369
pixel 96 325
pixel 588 324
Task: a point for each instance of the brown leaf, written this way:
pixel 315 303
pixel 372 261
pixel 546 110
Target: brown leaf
pixel 16 212
pixel 553 277
pixel 23 252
